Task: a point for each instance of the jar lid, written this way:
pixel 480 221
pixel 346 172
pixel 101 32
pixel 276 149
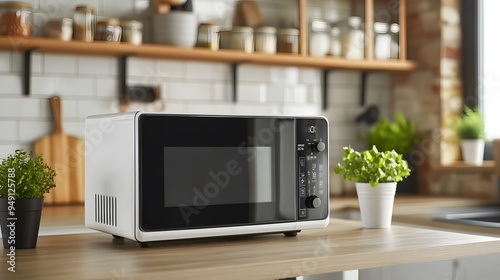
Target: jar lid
pixel 84 8
pixel 335 31
pixel 131 24
pixel 212 27
pixel 288 31
pixel 61 21
pixel 15 5
pixel 354 22
pixel 243 29
pixel 266 29
pixel 319 26
pixel 380 27
pixel 111 21
pixel 394 28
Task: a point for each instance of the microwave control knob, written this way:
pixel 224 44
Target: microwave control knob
pixel 313 202
pixel 319 146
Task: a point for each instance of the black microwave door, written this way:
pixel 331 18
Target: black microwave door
pixel 198 171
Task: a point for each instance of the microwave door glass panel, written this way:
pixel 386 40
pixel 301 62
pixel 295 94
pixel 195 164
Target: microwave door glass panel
pixel 224 175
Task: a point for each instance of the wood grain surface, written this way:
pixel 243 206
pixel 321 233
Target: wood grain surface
pixel 343 245
pixel 65 154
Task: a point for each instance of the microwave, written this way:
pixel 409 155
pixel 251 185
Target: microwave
pixel 155 176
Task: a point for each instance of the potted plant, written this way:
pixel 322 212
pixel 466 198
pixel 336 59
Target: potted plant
pixel 24 179
pixel 401 136
pixel 470 129
pixel 376 175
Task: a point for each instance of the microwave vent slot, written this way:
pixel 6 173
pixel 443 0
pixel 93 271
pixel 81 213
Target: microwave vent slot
pixel 105 209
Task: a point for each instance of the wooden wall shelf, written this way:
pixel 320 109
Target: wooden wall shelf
pixel 46 45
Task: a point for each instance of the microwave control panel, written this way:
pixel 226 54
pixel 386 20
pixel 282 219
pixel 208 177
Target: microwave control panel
pixel 312 168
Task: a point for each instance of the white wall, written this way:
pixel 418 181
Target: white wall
pixel 88 85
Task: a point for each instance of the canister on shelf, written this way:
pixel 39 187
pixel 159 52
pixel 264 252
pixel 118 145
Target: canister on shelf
pixel 335 42
pixel 265 39
pixel 319 40
pixel 382 40
pixel 394 32
pixel 61 29
pixel 288 40
pixel 238 38
pixel 208 36
pixel 353 39
pixel 108 30
pixel 132 32
pixel 15 19
pixel 84 23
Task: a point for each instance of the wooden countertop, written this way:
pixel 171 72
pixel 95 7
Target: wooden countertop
pixel 343 245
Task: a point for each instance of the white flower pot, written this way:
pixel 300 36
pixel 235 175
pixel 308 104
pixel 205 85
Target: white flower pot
pixel 472 151
pixel 376 204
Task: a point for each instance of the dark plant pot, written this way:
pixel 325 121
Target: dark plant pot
pixel 28 212
pixel 410 184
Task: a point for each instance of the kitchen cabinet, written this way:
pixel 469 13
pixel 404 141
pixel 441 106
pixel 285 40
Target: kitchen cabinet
pixel 234 58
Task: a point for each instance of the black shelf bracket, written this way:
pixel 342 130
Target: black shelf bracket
pixel 362 96
pixel 122 78
pixel 27 71
pixel 234 81
pixel 324 89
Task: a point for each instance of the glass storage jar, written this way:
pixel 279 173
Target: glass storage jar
pixel 208 36
pixel 265 39
pixel 84 23
pixel 108 30
pixel 335 42
pixel 319 40
pixel 238 38
pixel 61 29
pixel 353 39
pixel 288 40
pixel 15 19
pixel 382 40
pixel 132 32
pixel 394 32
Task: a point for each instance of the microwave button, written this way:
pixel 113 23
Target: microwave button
pixel 319 146
pixel 302 213
pixel 313 202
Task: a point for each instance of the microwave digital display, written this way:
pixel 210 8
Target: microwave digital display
pixel 202 176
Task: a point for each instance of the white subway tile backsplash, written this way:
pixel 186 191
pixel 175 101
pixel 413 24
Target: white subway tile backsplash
pixel 301 110
pixel 65 8
pixel 19 107
pixel 5 61
pixel 97 65
pixel 88 108
pixel 252 92
pixel 284 75
pixel 190 91
pixel 310 76
pixel 10 84
pixel 8 131
pixel 74 86
pixel 124 10
pixel 207 71
pixel 175 108
pixel 258 109
pixel 344 77
pixel 212 108
pixel 168 69
pixel 30 131
pixel 221 91
pixel 144 69
pixel 107 87
pixel 254 73
pixel 340 94
pixel 43 85
pixel 76 129
pixel 60 64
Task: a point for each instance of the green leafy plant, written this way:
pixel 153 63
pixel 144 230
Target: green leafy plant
pixel 399 135
pixel 372 166
pixel 32 176
pixel 470 125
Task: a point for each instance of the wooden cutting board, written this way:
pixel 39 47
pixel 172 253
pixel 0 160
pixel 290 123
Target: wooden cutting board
pixel 65 154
